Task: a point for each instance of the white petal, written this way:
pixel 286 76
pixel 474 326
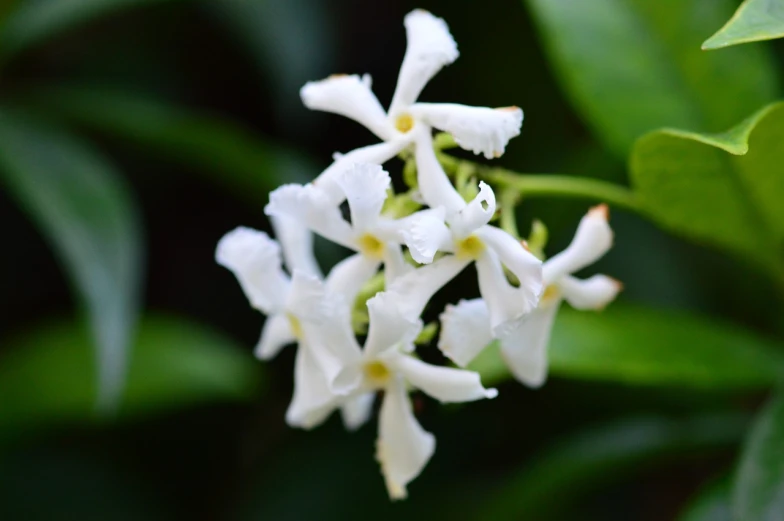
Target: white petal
pixel 521 262
pixel 349 275
pixel 356 410
pixel 395 265
pixel 254 259
pixel 429 47
pixel 592 293
pixel 310 300
pixel 312 402
pixel 349 96
pixel 377 154
pixel 465 330
pixel 434 185
pixel 592 240
pixel 445 384
pixel 524 346
pixel 425 233
pixel 275 334
pixel 389 328
pixel 415 289
pixel 505 302
pixel 403 448
pixel 313 208
pixel 481 130
pixel 325 320
pixel 365 186
pixel 296 243
pixel 476 214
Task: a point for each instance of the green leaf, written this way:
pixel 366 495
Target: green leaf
pixel 644 346
pixel 688 183
pixel 711 504
pixel 600 455
pixel 85 211
pixel 630 66
pixel 754 20
pixel 45 377
pixel 758 493
pixel 228 153
pixel 36 20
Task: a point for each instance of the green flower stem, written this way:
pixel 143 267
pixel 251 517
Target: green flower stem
pixel 533 185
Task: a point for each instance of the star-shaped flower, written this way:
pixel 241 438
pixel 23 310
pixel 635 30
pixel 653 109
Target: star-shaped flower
pixel 465 328
pixel 430 47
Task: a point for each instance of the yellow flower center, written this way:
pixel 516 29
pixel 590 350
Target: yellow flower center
pixel 469 248
pixel 377 373
pixel 371 246
pixel 404 123
pixel 550 294
pixel 296 327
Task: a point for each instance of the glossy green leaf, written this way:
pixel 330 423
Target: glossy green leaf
pixel 84 209
pixel 754 20
pixel 758 493
pixel 589 459
pixel 688 183
pixel 645 346
pixel 711 504
pixel 36 20
pixel 46 377
pixel 228 153
pixel 630 66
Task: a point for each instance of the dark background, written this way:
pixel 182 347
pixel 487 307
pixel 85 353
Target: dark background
pixel 239 461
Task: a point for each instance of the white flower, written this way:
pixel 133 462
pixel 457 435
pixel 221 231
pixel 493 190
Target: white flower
pixel 255 259
pixel 465 328
pixel 463 230
pixel 430 47
pixel 403 447
pixel 373 237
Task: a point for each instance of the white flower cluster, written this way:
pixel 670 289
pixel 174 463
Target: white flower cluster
pixel 519 294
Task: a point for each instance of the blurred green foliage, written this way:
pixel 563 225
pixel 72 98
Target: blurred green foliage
pixel 116 112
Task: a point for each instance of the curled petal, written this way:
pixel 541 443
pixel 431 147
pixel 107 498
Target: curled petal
pixel 365 186
pixel 296 244
pixel 505 302
pixel 377 154
pixel 403 447
pixel 415 289
pixel 429 47
pixel 524 345
pixel 465 330
pixel 275 334
pixel 425 233
pixel 481 130
pixel 476 214
pixel 356 411
pixel 254 259
pixel 592 293
pixel 445 384
pixel 521 262
pixel 349 275
pixel 314 209
pixel 592 240
pixel 312 402
pixel 389 328
pixel 349 96
pixel 434 185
